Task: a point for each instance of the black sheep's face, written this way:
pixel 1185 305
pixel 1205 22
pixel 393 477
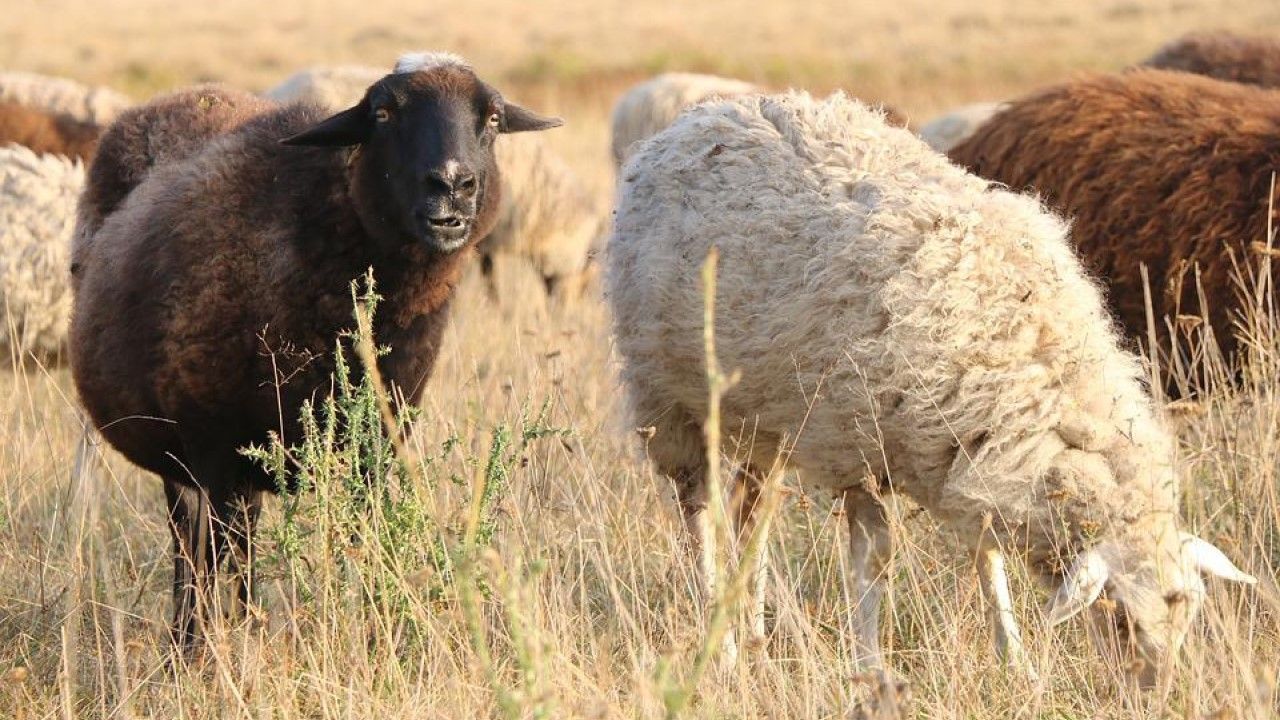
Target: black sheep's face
pixel 424 169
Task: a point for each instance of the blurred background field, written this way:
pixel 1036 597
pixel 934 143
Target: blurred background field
pixel 582 605
pixel 575 56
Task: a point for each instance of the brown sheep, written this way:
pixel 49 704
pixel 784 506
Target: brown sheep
pixel 210 301
pixel 47 132
pixel 1156 168
pixel 1253 60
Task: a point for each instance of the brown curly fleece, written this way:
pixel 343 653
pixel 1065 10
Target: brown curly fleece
pixel 1249 59
pixel 1153 167
pixel 47 132
pixel 167 129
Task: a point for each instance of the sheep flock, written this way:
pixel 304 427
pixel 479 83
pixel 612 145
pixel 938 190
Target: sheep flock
pixel 1000 315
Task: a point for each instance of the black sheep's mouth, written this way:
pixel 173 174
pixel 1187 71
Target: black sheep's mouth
pixel 448 225
pixel 448 234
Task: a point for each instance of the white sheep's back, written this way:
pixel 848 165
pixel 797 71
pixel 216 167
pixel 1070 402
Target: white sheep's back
pixel 651 106
pixel 86 103
pixel 335 87
pixel 38 196
pixel 885 301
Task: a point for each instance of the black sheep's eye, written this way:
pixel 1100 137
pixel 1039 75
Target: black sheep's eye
pixel 495 119
pixel 382 114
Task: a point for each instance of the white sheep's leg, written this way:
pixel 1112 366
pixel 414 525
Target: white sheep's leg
pixel 994 582
pixel 870 547
pixel 691 491
pixel 748 481
pixel 678 451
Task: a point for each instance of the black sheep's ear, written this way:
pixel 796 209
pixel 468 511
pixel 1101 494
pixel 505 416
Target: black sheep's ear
pixel 518 119
pixel 352 126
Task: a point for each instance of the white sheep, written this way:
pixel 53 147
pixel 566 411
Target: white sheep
pixel 336 86
pixel 652 105
pixel 548 217
pixel 955 126
pixel 37 214
pixel 98 105
pixel 898 327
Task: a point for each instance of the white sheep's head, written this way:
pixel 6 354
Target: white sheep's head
pixel 1151 596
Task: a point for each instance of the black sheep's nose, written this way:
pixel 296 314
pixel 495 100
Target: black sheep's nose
pixel 452 180
pixel 465 185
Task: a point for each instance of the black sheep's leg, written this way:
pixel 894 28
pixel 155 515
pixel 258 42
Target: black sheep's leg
pixel 551 283
pixel 236 519
pixel 189 525
pixel 230 513
pixel 489 271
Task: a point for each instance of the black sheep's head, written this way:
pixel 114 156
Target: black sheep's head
pixel 423 169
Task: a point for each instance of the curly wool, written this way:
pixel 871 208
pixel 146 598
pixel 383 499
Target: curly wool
pixel 1164 169
pixel 890 315
pixel 98 105
pixel 1249 59
pixel 167 129
pixel 955 126
pixel 37 212
pixel 418 61
pixel 47 132
pixel 651 106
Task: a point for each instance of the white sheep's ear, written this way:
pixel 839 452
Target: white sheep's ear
pixel 1082 585
pixel 1211 561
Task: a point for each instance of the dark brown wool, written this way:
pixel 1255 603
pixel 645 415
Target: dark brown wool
pixel 1250 59
pixel 47 132
pixel 1153 167
pixel 167 129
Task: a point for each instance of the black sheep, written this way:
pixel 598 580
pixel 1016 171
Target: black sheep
pixel 208 304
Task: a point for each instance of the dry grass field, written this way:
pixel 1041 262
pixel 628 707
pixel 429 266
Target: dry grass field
pixel 530 564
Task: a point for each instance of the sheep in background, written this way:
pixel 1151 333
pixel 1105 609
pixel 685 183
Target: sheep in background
pixel 1253 60
pixel 954 126
pixel 1164 169
pixel 547 217
pixel 37 212
pixel 652 105
pixel 41 202
pixel 45 132
pixel 97 105
pixel 899 326
pixel 209 303
pixel 331 86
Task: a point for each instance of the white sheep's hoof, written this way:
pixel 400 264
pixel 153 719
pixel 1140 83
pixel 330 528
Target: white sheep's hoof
pixel 1018 664
pixel 1023 667
pixel 727 659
